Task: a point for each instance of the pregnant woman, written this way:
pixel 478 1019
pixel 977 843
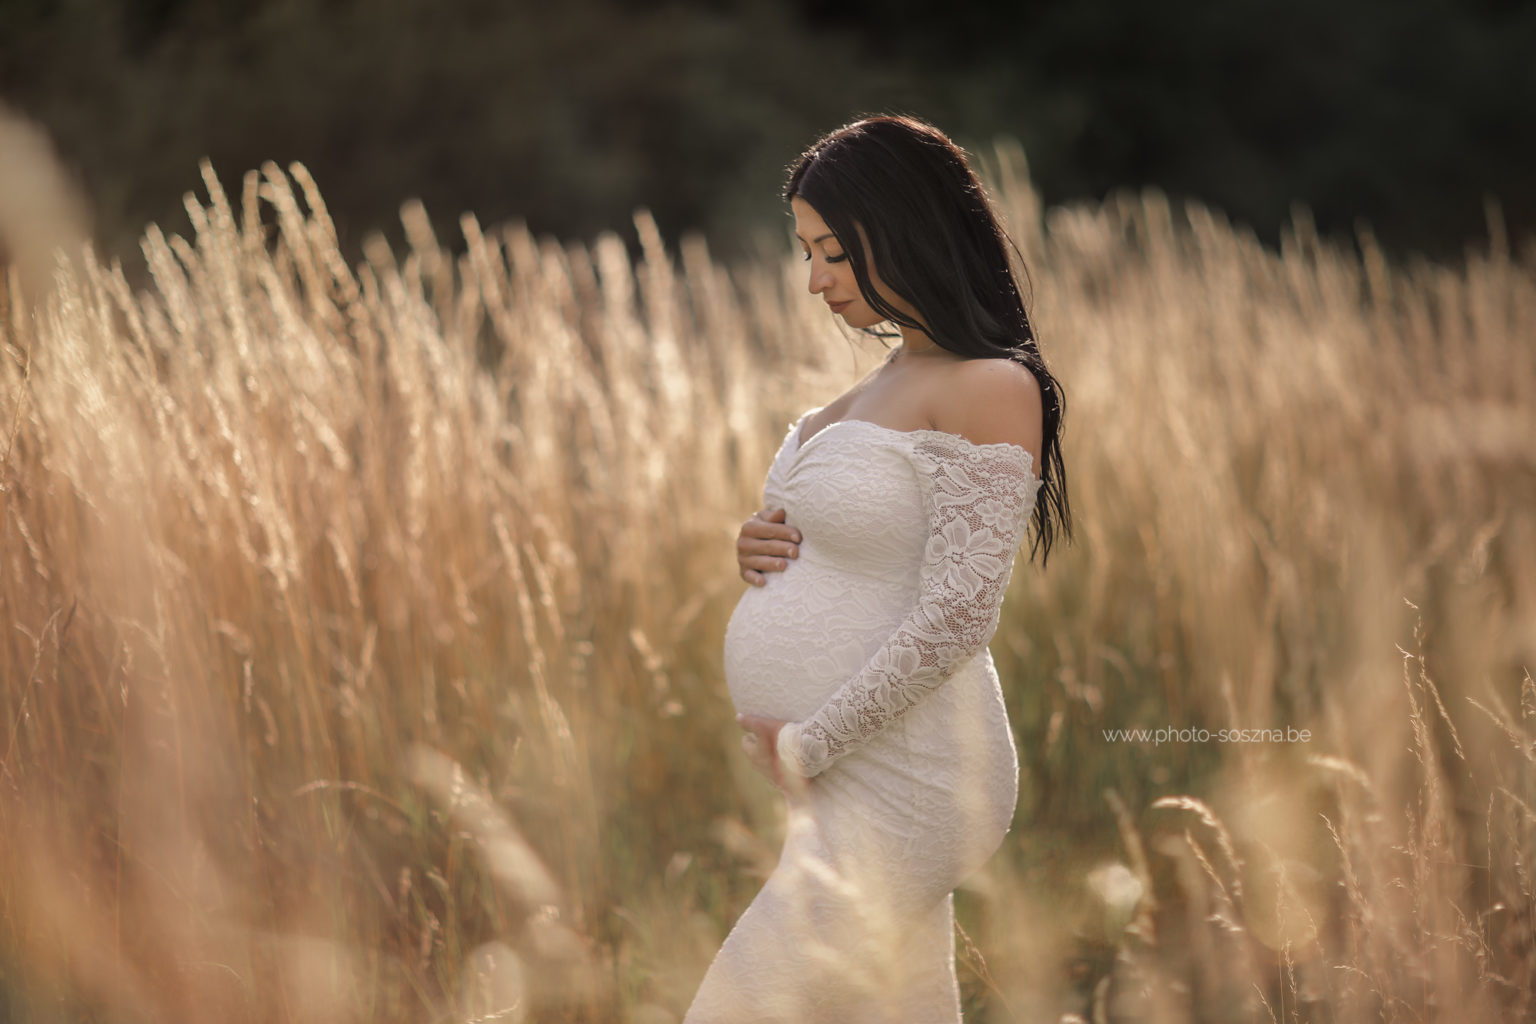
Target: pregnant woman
pixel 858 660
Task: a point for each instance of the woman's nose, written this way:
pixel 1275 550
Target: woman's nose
pixel 820 280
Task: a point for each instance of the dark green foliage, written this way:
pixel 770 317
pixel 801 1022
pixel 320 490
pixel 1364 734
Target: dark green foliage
pixel 1403 112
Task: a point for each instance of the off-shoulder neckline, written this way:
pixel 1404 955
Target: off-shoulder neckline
pixel 802 442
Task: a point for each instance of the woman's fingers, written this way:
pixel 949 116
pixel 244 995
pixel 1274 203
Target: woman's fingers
pixel 751 546
pixel 752 569
pixel 765 544
pixel 760 537
pixel 759 529
pixel 779 544
pixel 752 746
pixel 765 556
pixel 771 522
pixel 761 746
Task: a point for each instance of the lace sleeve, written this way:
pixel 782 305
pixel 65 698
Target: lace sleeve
pixel 978 499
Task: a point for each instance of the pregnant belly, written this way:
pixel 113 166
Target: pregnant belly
pixel 938 784
pixel 793 641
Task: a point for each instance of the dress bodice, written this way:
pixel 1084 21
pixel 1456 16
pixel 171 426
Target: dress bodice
pixel 925 508
pixel 853 492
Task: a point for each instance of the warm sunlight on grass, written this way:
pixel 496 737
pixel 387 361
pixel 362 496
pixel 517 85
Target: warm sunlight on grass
pixel 362 626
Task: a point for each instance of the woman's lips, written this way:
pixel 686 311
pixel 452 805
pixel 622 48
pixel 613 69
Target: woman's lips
pixel 838 307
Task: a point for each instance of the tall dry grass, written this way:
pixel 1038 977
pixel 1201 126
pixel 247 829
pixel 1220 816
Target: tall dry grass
pixel 362 646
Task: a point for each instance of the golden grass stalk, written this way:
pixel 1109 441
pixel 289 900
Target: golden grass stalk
pixel 362 646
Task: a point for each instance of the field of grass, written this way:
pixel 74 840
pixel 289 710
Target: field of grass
pixel 362 631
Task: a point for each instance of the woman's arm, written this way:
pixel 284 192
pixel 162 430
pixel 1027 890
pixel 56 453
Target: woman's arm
pixel 978 500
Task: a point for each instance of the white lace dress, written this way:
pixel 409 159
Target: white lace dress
pixel 873 644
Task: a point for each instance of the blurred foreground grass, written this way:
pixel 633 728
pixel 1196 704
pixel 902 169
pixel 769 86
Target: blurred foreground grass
pixel 362 626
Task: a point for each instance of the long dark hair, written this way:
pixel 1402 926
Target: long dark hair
pixel 932 232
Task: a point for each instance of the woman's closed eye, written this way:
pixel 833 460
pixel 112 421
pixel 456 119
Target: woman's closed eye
pixel 830 259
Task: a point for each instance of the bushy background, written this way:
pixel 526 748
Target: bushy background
pixel 1404 112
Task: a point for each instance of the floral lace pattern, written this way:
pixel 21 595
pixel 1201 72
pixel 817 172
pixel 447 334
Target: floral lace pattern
pixel 909 539
pixel 978 500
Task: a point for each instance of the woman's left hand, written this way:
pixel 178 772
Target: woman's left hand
pixel 761 743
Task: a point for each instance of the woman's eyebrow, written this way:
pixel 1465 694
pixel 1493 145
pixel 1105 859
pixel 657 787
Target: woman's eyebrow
pixel 818 238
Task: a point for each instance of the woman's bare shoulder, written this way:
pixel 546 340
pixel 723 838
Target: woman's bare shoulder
pixel 987 401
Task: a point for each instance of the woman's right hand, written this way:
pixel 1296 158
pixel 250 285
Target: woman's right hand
pixel 765 544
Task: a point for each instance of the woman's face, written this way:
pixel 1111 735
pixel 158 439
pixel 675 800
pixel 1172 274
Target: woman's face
pixel 832 273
